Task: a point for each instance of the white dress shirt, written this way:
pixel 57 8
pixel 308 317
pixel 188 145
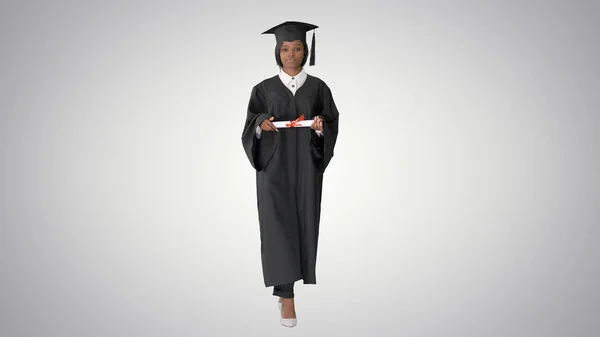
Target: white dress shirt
pixel 293 83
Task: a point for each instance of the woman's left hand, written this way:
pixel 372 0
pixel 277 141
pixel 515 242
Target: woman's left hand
pixel 317 124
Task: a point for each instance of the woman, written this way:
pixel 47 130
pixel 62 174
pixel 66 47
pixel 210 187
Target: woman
pixel 289 163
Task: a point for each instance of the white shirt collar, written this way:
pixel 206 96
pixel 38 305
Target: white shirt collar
pixel 286 79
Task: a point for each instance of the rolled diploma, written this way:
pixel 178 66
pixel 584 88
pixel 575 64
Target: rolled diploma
pixel 299 124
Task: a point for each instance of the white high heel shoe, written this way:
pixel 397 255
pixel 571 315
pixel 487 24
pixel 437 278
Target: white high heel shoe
pixel 289 322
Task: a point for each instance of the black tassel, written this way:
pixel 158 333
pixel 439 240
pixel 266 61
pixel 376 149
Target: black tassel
pixel 312 50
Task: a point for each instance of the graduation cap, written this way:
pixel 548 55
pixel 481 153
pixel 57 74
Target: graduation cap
pixel 294 30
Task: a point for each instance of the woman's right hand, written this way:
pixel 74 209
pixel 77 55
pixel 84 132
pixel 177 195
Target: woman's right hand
pixel 266 125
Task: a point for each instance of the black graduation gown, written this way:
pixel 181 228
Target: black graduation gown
pixel 289 168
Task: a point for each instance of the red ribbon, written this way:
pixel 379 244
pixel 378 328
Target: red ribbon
pixel 293 123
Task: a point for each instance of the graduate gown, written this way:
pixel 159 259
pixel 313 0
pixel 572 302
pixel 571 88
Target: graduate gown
pixel 289 167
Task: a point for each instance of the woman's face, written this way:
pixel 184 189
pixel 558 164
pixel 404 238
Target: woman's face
pixel 291 54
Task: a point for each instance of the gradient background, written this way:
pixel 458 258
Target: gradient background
pixel 463 199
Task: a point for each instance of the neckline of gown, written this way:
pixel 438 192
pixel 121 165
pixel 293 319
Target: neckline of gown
pixel 288 89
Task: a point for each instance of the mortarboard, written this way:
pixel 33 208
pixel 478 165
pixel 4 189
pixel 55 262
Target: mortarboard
pixel 294 30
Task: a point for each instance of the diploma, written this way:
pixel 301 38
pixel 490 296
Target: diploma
pixel 292 124
pixel 297 123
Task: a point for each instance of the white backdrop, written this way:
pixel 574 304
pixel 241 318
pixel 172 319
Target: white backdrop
pixel 462 199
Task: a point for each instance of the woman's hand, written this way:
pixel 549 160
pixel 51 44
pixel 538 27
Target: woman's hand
pixel 317 124
pixel 266 125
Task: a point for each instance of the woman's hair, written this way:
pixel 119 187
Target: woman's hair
pixel 278 57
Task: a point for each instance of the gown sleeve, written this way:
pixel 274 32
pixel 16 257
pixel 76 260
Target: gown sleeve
pixel 257 150
pixel 322 147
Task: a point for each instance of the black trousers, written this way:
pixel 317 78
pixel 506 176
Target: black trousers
pixel 284 290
